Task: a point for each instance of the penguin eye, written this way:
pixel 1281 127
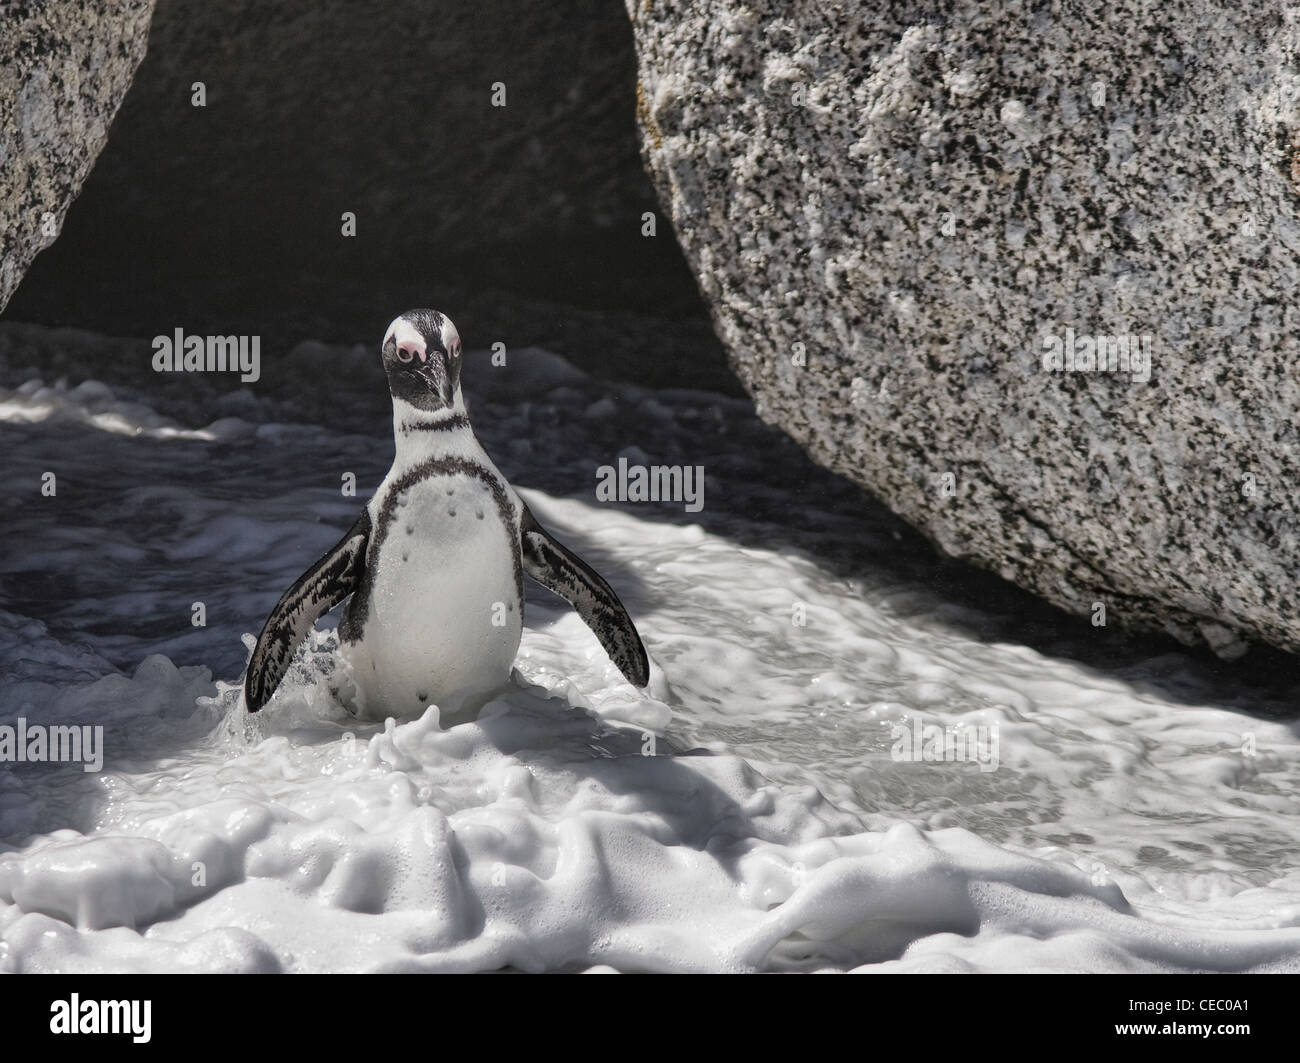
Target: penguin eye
pixel 404 354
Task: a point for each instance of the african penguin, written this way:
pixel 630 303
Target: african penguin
pixel 435 564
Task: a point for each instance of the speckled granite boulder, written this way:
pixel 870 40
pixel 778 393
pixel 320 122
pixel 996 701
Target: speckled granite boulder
pixel 931 207
pixel 64 68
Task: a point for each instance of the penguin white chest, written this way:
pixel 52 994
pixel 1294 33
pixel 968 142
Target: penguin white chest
pixel 442 619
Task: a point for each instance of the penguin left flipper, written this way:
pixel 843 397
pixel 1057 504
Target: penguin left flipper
pixel 316 591
pixel 564 573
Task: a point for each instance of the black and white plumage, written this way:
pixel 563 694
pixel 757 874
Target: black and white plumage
pixel 433 568
pixel 316 591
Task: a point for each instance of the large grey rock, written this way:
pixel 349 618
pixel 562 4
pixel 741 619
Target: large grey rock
pixel 921 195
pixel 65 66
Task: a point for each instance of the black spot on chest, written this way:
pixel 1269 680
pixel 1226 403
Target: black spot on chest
pixel 352 628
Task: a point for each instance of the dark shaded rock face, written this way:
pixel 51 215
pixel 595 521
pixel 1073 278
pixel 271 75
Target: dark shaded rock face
pixel 64 68
pixel 523 221
pixel 924 206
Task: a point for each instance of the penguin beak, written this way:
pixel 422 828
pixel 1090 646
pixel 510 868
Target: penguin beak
pixel 431 370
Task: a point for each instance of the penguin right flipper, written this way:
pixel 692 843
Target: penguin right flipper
pixel 319 589
pixel 563 572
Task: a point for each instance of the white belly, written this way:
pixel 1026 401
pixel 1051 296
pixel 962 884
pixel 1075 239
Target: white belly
pixel 444 621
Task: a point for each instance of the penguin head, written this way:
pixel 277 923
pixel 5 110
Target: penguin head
pixel 421 353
